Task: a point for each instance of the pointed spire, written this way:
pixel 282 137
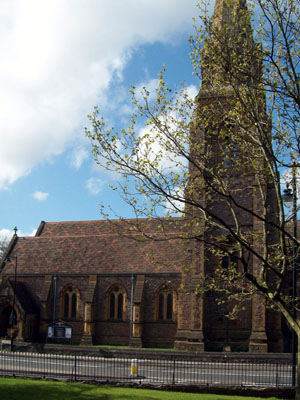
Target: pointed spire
pixel 230 42
pixel 232 19
pixel 228 13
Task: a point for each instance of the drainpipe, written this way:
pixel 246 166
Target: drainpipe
pixel 131 305
pixel 54 297
pixel 13 317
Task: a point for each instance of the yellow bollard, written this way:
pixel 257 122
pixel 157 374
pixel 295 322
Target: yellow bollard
pixel 133 368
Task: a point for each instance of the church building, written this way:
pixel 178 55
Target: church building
pixel 110 285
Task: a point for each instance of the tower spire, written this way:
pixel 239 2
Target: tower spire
pixel 227 13
pixel 230 43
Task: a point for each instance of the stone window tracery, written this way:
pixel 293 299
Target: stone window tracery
pixel 230 264
pixel 70 300
pixel 230 153
pixel 165 305
pixel 116 300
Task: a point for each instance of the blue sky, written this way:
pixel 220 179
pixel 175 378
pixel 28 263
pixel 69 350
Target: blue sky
pixel 60 58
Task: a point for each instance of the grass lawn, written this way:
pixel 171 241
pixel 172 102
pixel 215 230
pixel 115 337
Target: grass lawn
pixel 23 389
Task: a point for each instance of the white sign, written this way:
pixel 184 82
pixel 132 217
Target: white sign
pixel 68 333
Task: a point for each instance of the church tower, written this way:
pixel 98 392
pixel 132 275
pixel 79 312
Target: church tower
pixel 227 188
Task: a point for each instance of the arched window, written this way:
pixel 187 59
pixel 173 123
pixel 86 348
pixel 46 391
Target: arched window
pixel 120 306
pixel 225 262
pixel 169 313
pixel 70 300
pixel 229 152
pixel 161 301
pixel 165 305
pixel 116 303
pixel 66 305
pixel 112 305
pixel 74 306
pixel 230 264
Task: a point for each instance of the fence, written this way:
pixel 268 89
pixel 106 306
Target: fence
pixel 225 372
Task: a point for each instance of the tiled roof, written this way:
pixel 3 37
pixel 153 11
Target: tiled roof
pixel 91 247
pixel 99 227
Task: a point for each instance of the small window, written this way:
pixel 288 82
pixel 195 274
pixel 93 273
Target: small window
pixel 169 306
pixel 74 305
pixel 225 262
pixel 112 305
pixel 120 306
pixel 230 153
pixel 230 264
pixel 116 302
pixel 165 311
pixel 161 306
pixel 66 305
pixel 70 299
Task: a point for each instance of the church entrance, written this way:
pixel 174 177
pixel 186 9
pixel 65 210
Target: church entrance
pixel 6 315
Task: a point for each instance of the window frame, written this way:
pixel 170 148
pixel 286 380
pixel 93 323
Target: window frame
pixel 116 303
pixel 163 304
pixel 69 307
pixel 230 263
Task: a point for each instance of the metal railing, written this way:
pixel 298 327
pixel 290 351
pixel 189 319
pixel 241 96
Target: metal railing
pixel 210 372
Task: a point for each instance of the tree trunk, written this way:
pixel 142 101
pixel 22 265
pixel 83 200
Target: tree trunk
pixel 297 393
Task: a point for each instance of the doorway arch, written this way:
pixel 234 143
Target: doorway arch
pixel 5 320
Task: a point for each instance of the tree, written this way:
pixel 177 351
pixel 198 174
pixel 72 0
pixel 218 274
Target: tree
pixel 206 158
pixel 4 242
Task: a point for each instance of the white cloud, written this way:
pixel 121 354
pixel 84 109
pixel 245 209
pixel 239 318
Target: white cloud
pixel 79 155
pixel 156 146
pixel 6 234
pixel 59 58
pixel 175 206
pixel 192 91
pixel 32 233
pixel 150 86
pixel 41 196
pixel 94 185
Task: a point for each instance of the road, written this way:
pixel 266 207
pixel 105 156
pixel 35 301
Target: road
pixel 146 371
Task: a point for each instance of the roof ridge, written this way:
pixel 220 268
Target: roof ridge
pixel 101 234
pixel 113 220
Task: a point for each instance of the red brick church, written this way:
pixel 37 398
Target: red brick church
pixel 110 286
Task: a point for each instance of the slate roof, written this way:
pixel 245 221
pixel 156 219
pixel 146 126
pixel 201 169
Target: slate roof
pixel 97 247
pixel 98 227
